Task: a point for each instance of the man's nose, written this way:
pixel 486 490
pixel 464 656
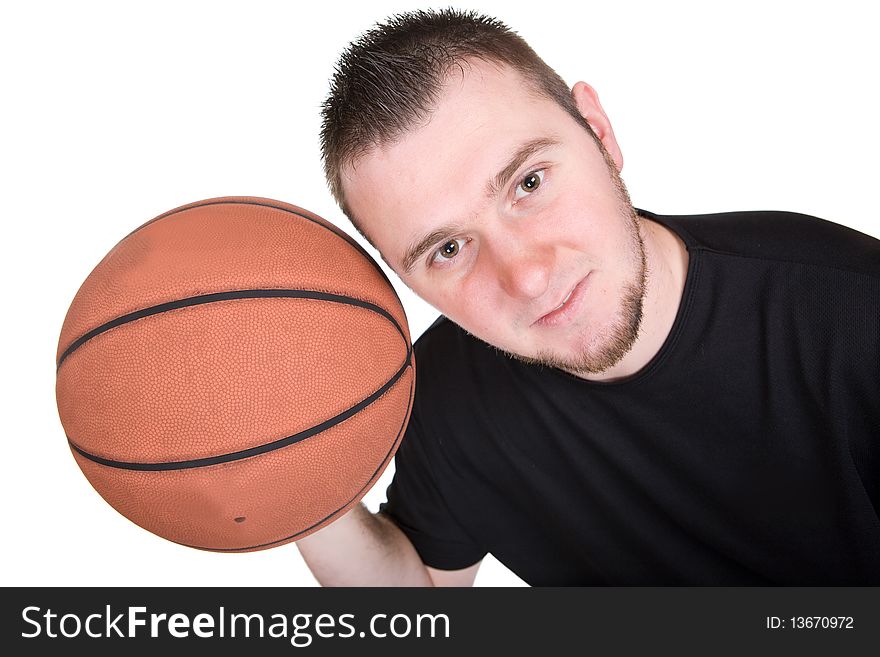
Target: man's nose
pixel 525 272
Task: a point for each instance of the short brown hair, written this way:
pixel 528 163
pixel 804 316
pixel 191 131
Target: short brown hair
pixel 388 81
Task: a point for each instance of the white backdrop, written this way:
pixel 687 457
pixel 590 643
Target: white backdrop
pixel 112 113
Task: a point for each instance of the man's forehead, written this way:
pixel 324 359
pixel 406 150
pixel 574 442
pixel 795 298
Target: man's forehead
pixel 476 126
pixel 467 109
pixel 467 75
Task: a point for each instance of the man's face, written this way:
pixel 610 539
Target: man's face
pixel 505 215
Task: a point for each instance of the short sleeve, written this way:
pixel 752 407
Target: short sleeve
pixel 416 505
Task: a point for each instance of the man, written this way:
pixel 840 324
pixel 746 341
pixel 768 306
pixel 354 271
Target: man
pixel 611 396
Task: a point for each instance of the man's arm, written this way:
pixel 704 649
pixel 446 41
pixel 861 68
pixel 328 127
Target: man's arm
pixel 365 549
pixel 463 577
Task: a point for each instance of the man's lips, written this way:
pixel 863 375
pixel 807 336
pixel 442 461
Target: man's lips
pixel 566 307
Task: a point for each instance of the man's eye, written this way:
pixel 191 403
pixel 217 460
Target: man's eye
pixel 449 250
pixel 529 183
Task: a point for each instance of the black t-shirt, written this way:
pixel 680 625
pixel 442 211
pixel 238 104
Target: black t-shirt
pixel 747 451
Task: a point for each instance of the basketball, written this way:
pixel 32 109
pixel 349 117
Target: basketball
pixel 234 374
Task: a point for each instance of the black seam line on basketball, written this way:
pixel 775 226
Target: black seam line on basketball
pixel 332 228
pixel 251 451
pixel 226 296
pixel 384 462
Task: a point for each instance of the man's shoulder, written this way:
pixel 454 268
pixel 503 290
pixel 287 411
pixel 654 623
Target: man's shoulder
pixel 777 235
pixel 455 366
pixel 445 342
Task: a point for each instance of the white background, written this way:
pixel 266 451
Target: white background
pixel 115 112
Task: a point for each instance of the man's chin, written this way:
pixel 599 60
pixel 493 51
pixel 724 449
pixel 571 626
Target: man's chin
pixel 581 365
pixel 603 354
pixel 588 364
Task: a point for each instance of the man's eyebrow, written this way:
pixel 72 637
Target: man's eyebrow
pixel 415 251
pixel 524 152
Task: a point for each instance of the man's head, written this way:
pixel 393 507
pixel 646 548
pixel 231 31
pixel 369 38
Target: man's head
pixel 388 81
pixel 488 187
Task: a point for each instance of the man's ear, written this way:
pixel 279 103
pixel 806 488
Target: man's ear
pixel 587 101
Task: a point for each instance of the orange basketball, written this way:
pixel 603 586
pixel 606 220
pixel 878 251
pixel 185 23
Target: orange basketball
pixel 234 374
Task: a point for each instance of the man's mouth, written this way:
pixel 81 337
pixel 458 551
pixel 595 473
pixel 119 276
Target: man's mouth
pixel 566 307
pixel 567 297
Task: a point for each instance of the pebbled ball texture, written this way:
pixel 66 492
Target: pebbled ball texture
pixel 235 374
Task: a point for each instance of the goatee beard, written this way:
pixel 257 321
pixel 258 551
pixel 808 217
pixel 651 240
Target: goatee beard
pixel 610 346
